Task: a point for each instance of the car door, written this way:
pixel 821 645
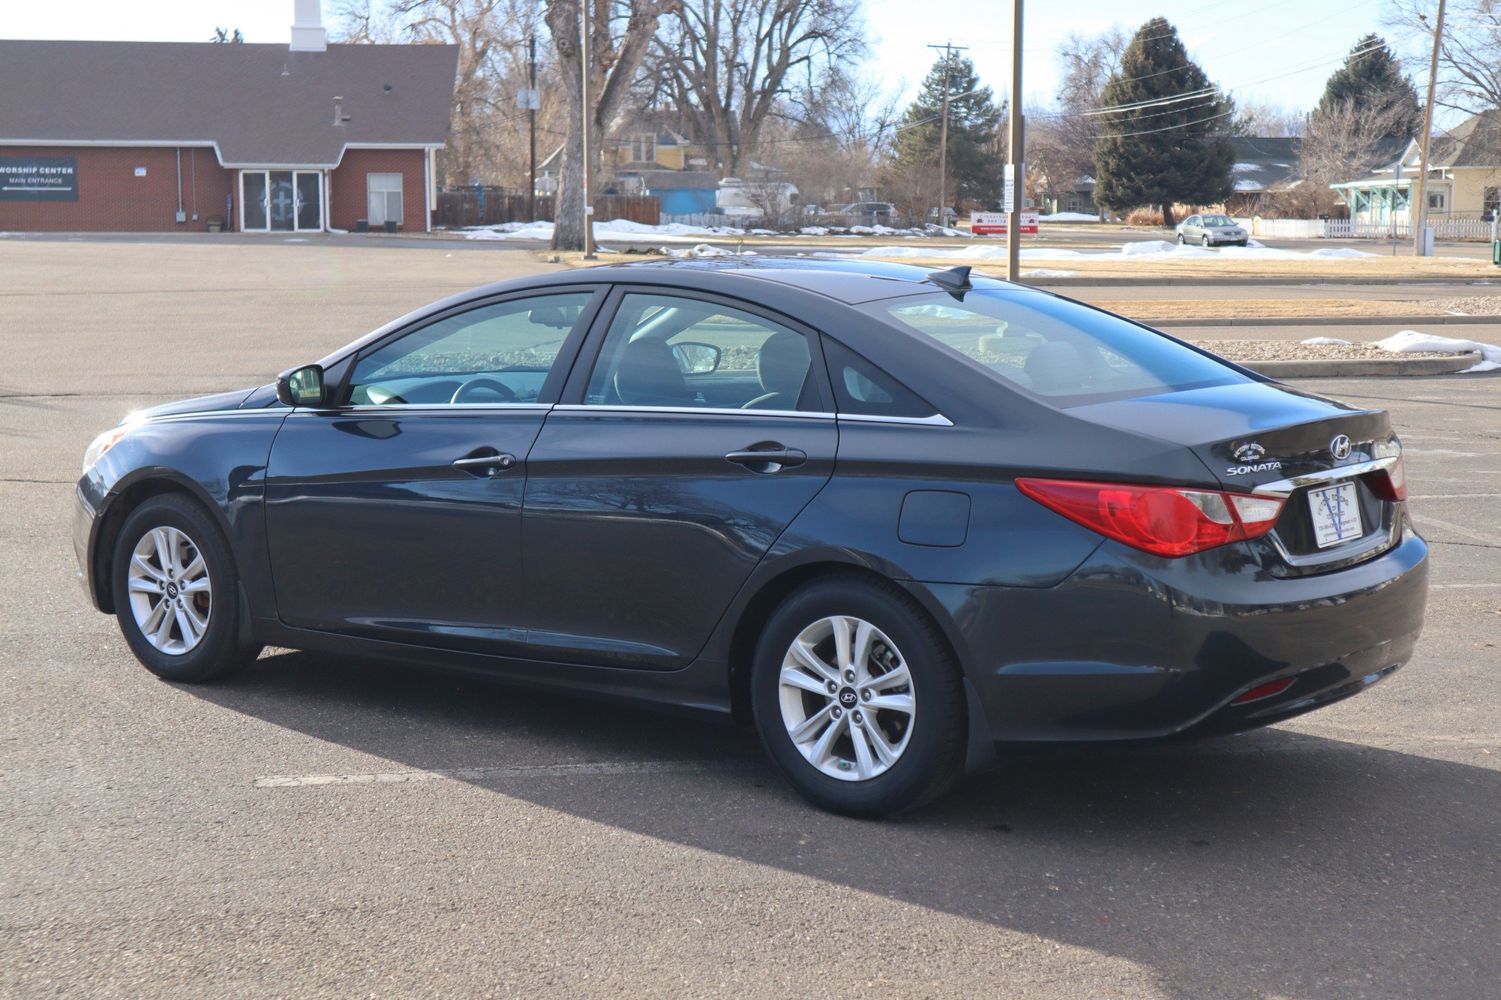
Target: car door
pixel 659 483
pixel 1191 229
pixel 397 514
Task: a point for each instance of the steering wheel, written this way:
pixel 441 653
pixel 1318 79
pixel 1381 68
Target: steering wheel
pixel 483 382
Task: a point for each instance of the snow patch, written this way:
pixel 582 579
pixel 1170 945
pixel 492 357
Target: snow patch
pixel 707 250
pixel 614 229
pixel 1048 272
pixel 1413 341
pixel 1069 217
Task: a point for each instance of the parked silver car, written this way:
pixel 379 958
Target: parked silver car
pixel 1212 230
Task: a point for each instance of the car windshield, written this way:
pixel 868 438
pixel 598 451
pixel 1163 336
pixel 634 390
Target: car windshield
pixel 1217 220
pixel 1063 351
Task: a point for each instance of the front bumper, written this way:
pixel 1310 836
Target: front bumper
pixel 85 533
pixel 1138 647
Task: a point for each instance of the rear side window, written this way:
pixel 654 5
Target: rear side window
pixel 862 388
pixel 1060 350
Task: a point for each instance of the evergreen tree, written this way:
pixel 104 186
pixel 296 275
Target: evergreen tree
pixel 1372 81
pixel 974 149
pixel 1170 142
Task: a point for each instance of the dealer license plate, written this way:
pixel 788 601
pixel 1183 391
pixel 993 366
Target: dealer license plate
pixel 1336 514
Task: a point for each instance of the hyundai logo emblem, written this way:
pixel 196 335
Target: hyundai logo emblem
pixel 1340 447
pixel 847 697
pixel 1249 453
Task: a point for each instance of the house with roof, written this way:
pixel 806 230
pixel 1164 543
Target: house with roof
pixel 1463 182
pixel 168 136
pixel 1264 167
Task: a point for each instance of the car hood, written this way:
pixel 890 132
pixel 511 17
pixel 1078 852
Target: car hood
pixel 233 400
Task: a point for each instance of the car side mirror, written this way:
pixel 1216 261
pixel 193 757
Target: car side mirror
pixel 301 386
pixel 696 359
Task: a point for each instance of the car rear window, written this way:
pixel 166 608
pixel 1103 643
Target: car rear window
pixel 1060 350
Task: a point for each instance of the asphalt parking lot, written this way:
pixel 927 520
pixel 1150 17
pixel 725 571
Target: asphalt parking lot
pixel 321 826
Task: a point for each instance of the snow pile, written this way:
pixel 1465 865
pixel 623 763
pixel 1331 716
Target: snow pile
pixel 1340 253
pixel 614 229
pixel 1411 341
pixel 1069 217
pixel 813 231
pixel 706 250
pixel 1326 341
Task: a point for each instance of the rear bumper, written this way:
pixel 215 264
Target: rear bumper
pixel 1136 647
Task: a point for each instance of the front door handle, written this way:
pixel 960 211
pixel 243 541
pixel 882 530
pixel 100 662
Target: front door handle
pixel 768 456
pixel 486 465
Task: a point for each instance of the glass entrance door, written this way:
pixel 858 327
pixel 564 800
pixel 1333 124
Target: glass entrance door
pixel 253 199
pixel 282 204
pixel 309 200
pixel 282 200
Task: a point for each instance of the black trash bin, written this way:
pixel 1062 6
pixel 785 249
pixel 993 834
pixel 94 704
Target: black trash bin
pixel 362 225
pixel 390 226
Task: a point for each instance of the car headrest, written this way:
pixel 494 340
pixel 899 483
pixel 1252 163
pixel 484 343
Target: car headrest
pixel 648 375
pixel 782 362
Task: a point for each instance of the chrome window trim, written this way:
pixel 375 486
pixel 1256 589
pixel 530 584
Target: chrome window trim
pixel 702 410
pixel 1286 487
pixel 936 420
pixel 378 407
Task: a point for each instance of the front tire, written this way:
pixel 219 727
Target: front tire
pixel 176 595
pixel 857 698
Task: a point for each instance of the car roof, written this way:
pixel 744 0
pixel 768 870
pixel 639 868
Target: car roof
pixel 848 280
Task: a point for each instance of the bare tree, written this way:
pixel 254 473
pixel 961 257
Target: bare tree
pixel 1255 118
pixel 1338 147
pixel 1060 145
pixel 1469 60
pixel 727 66
pixel 619 34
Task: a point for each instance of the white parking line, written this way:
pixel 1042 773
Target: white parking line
pixel 511 771
pixel 1480 536
pixel 1453 496
pixel 1464 586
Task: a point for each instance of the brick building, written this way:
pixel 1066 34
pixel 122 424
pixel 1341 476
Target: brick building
pixel 164 136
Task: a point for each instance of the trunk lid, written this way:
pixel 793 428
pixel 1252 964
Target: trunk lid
pixel 1264 437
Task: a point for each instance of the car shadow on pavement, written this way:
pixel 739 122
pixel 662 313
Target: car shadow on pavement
pixel 1273 863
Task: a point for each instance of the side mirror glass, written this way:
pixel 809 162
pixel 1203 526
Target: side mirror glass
pixel 301 386
pixel 696 359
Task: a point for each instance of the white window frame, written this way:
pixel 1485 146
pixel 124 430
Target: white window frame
pixel 378 183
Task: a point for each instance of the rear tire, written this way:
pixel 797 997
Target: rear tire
pixel 176 592
pixel 1181 240
pixel 857 698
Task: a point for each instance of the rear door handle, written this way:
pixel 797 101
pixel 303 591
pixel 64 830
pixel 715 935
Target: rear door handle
pixel 485 465
pixel 768 456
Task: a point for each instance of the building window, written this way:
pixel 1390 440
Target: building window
pixel 1436 200
pixel 643 148
pixel 1491 202
pixel 384 193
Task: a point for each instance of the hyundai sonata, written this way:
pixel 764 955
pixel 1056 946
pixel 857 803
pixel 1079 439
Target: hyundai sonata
pixel 899 521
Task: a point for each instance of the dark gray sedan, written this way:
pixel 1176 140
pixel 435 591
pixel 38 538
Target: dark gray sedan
pixel 900 522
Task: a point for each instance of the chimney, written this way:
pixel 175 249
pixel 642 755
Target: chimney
pixel 307 27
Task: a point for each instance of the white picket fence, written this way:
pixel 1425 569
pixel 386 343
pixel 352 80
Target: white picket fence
pixel 1445 228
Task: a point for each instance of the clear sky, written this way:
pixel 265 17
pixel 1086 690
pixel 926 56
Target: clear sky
pixel 1272 51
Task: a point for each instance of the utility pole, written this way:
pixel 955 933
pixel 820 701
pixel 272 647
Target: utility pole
pixel 949 48
pixel 1419 211
pixel 531 113
pixel 1019 186
pixel 588 114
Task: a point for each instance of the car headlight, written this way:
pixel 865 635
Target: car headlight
pixel 101 444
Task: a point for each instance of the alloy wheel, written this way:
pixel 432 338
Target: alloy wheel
pixel 170 592
pixel 847 698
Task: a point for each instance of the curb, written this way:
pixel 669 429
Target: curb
pixel 1342 368
pixel 1409 321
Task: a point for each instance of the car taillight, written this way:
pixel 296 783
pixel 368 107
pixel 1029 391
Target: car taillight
pixel 1391 483
pixel 1163 520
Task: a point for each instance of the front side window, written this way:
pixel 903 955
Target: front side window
pixel 498 353
pixel 666 350
pixel 1062 351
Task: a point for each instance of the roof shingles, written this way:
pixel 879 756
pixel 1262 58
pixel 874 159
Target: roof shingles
pixel 259 105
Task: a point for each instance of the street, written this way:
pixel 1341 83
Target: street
pixel 319 825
